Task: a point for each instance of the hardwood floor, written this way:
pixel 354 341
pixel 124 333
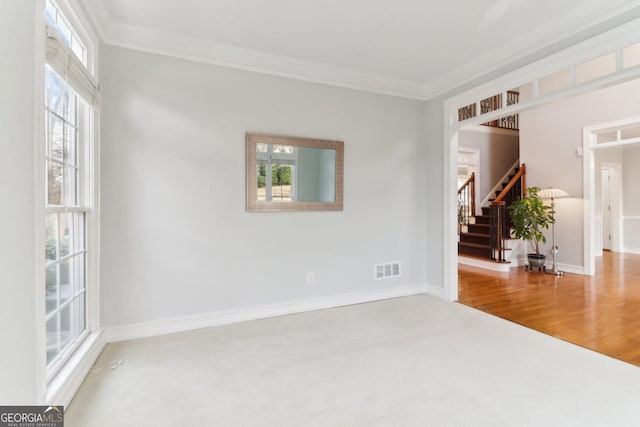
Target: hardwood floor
pixel 600 312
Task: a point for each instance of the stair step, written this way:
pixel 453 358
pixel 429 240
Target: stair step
pixel 474 249
pixel 478 238
pixel 483 219
pixel 480 229
pixel 478 250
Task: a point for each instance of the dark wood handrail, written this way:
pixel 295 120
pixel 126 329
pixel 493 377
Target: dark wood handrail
pixel 472 177
pixel 520 174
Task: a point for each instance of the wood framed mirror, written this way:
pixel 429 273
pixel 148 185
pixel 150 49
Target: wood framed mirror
pixel 306 174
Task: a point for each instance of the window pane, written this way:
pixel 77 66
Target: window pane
pixel 52 338
pixel 70 108
pixel 80 317
pixel 51 288
pixel 77 48
pixel 50 14
pixel 55 138
pixel 70 186
pixel 58 95
pixel 54 184
pixel 65 286
pixel 78 273
pixel 66 330
pixel 70 145
pixel 66 230
pixel 65 31
pixel 57 19
pixel 52 238
pixel 72 322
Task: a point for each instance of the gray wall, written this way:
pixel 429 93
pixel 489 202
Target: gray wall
pixel 176 239
pixel 631 199
pixel 549 137
pixel 17 186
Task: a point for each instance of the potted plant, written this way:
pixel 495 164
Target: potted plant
pixel 530 216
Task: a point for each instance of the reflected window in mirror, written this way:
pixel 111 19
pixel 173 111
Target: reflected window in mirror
pixel 286 173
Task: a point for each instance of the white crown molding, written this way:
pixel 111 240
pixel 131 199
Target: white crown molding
pixel 194 49
pixel 172 44
pixel 98 15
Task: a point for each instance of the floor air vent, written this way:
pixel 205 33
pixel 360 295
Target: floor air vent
pixel 385 271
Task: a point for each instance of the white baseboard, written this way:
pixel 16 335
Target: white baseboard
pixel 569 268
pixel 66 383
pixel 632 251
pixel 435 291
pixel 187 323
pixel 487 265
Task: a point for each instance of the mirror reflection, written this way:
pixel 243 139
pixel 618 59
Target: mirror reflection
pixel 297 173
pixel 288 173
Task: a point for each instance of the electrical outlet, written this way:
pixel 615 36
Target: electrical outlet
pixel 311 278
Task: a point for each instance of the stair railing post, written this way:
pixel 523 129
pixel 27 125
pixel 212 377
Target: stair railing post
pixel 473 194
pixel 523 181
pixel 497 225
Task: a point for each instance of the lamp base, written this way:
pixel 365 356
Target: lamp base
pixel 554 271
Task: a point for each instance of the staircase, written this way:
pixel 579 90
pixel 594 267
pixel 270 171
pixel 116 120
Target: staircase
pixel 475 236
pixel 476 240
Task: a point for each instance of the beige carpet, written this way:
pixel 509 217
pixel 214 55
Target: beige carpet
pixel 407 361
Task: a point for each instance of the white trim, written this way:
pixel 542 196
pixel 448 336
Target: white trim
pixel 589 210
pixel 487 265
pixel 97 16
pixel 40 358
pixel 68 380
pixel 209 52
pixel 589 146
pixel 62 387
pixel 631 218
pixel 570 268
pixel 450 207
pixel 617 226
pixel 436 291
pixel 632 251
pixel 162 42
pixel 187 323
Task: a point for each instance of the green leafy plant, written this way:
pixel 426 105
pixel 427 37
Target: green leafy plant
pixel 530 216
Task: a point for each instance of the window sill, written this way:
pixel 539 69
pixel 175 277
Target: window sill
pixel 66 383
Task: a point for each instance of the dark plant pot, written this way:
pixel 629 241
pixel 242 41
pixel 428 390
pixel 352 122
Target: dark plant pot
pixel 536 261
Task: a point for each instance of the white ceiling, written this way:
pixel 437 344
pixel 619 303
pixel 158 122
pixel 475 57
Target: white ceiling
pixel 415 48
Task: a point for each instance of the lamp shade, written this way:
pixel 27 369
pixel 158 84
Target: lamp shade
pixel 552 193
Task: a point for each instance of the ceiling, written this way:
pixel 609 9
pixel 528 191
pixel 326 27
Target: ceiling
pixel 412 48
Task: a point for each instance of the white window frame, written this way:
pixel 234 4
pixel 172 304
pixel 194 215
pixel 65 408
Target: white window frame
pixel 81 208
pixel 268 158
pixel 60 386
